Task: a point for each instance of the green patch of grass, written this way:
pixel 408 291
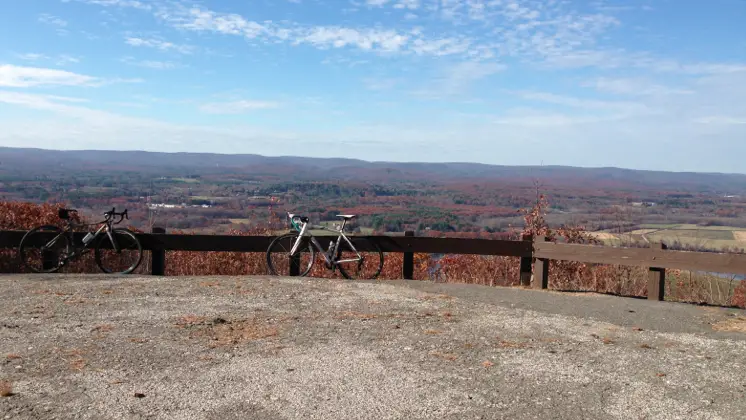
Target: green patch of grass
pixel 186 180
pixel 658 226
pixel 699 234
pixel 239 221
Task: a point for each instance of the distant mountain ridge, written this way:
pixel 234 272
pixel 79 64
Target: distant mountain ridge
pixel 29 160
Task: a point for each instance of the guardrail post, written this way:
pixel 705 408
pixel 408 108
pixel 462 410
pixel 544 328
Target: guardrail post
pixel 407 269
pixel 294 264
pixel 657 278
pixel 526 265
pixel 541 270
pixel 158 257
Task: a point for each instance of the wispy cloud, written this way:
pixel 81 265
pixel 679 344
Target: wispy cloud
pixel 60 60
pixel 52 20
pixel 32 56
pixel 65 59
pixel 151 64
pixel 16 76
pixel 115 3
pixel 237 107
pixel 585 103
pixel 24 77
pixel 159 44
pixel 634 87
pixel 456 79
pixel 323 37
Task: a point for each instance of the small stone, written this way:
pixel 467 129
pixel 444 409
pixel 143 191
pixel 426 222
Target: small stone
pixel 139 395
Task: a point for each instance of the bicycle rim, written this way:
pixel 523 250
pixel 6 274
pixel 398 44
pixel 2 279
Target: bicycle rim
pixel 126 260
pixel 41 248
pixel 279 261
pixel 367 269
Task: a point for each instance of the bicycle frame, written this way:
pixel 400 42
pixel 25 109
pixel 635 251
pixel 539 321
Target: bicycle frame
pixel 328 255
pixel 78 250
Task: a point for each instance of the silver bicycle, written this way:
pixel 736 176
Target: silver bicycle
pixel 294 253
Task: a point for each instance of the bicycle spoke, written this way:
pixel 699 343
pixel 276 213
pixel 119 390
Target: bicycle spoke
pixel 125 258
pixel 42 248
pixel 279 261
pixel 363 262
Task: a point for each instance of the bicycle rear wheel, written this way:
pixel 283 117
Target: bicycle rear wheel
pixel 279 261
pixel 368 267
pixel 124 261
pixel 41 249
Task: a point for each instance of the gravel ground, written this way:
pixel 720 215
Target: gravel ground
pixel 98 347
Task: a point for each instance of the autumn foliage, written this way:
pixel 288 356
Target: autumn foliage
pixel 472 269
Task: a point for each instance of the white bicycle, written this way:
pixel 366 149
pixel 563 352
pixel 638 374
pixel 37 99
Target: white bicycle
pixel 294 253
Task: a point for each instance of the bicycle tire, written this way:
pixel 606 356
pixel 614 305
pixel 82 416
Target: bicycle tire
pixel 375 254
pixel 122 233
pixel 25 245
pixel 291 238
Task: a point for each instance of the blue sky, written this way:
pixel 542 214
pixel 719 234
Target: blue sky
pixel 653 84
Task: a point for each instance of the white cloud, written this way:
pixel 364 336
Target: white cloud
pixel 159 44
pixel 622 107
pixel 16 76
pixel 457 78
pixel 52 20
pixel 65 59
pixel 721 120
pixel 323 37
pixel 381 84
pixel 32 57
pixel 24 77
pixel 135 4
pixel 151 64
pixel 338 37
pixel 60 60
pixel 237 107
pixel 634 87
pixel 407 4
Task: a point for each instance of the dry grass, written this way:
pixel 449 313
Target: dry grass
pixel 736 324
pixel 6 389
pixel 740 235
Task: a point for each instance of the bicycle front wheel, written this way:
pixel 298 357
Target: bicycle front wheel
pixel 122 259
pixel 41 250
pixel 366 266
pixel 281 263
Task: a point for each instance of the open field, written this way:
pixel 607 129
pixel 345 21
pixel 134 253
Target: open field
pixel 716 237
pixel 279 348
